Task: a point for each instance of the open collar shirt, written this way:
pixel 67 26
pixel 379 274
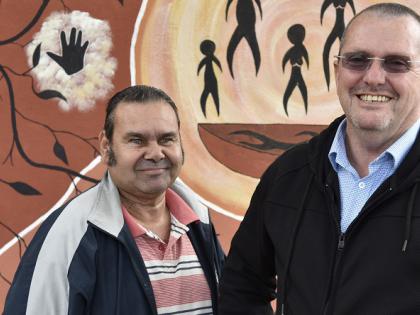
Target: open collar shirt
pixel 175 272
pixel 355 191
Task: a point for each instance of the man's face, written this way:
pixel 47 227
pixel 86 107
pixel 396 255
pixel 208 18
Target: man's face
pixel 398 107
pixel 146 146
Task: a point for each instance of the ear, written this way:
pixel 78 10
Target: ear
pixel 104 145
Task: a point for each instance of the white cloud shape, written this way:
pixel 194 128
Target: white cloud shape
pixel 94 81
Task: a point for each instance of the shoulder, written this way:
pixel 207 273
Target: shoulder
pixel 191 199
pixel 290 161
pixel 311 154
pixel 42 276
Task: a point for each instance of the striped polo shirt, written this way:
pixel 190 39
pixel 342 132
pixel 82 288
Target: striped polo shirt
pixel 178 281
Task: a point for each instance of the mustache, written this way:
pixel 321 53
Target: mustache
pixel 150 164
pixel 378 90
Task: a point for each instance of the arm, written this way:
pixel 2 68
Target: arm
pixel 248 279
pixel 305 56
pixel 17 300
pixel 324 7
pixel 352 6
pixel 227 8
pixel 217 62
pixel 43 283
pixel 259 7
pixel 286 58
pixel 202 63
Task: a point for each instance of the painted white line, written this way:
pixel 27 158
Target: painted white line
pixel 134 41
pixel 58 204
pixel 97 160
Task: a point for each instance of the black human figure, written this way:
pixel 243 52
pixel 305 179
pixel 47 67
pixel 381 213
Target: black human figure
pixel 336 32
pixel 296 35
pixel 207 47
pixel 73 52
pixel 246 17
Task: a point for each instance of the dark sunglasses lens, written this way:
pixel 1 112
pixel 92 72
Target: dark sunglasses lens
pixel 396 64
pixel 356 62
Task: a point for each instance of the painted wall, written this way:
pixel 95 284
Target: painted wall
pixel 250 78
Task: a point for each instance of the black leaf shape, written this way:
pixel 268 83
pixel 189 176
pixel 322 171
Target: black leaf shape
pixel 60 152
pixel 24 189
pixel 36 56
pixel 47 94
pixel 121 1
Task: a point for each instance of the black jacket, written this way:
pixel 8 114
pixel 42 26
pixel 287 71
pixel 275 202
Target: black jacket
pixel 290 240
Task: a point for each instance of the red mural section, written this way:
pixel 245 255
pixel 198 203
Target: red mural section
pixel 48 132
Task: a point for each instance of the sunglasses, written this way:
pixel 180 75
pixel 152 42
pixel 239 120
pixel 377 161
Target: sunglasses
pixel 362 62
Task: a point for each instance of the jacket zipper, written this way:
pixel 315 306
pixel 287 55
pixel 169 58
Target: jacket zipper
pixel 341 242
pixel 330 300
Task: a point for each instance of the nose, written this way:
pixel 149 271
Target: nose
pixel 375 74
pixel 154 152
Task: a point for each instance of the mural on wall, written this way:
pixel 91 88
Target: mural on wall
pixel 251 78
pixel 336 32
pixel 60 60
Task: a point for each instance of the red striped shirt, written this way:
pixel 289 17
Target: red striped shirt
pixel 177 278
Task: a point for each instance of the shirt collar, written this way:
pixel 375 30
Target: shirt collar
pixel 180 211
pixel 398 150
pixel 338 149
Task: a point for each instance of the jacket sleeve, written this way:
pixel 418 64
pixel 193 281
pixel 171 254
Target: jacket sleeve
pixel 17 297
pixel 248 279
pixel 51 279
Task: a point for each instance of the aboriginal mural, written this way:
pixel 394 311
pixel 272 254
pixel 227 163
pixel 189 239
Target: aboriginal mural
pixel 251 78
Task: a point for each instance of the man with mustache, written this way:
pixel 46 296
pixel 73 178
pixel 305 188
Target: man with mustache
pixel 334 224
pixel 139 242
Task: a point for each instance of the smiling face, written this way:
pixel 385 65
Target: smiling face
pixel 375 100
pixel 146 147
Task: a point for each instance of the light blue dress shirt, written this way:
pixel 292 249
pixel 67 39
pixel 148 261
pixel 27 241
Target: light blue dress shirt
pixel 355 191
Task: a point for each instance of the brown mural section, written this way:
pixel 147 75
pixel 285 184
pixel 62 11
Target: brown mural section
pixel 44 145
pixel 249 148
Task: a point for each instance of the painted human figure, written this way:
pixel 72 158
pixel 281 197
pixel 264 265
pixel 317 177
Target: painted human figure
pixel 246 17
pixel 208 48
pixel 295 56
pixel 336 32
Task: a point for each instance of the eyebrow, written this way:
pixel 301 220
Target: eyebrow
pixel 363 52
pixel 132 134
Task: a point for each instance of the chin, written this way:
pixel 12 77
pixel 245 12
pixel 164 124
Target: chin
pixel 376 123
pixel 154 189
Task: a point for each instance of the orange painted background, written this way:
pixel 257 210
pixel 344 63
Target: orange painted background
pixel 250 78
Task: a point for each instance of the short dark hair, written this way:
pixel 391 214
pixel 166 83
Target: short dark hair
pixel 136 94
pixel 386 9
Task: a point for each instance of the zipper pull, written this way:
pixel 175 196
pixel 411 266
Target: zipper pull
pixel 341 241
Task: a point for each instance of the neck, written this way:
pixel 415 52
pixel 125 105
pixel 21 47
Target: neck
pixel 363 147
pixel 150 213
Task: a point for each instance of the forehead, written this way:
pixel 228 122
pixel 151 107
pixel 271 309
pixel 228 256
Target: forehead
pixel 380 34
pixel 151 115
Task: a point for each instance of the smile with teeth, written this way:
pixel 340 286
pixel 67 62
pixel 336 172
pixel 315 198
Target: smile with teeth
pixel 374 98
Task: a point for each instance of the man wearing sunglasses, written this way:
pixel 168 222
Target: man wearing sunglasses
pixel 334 225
